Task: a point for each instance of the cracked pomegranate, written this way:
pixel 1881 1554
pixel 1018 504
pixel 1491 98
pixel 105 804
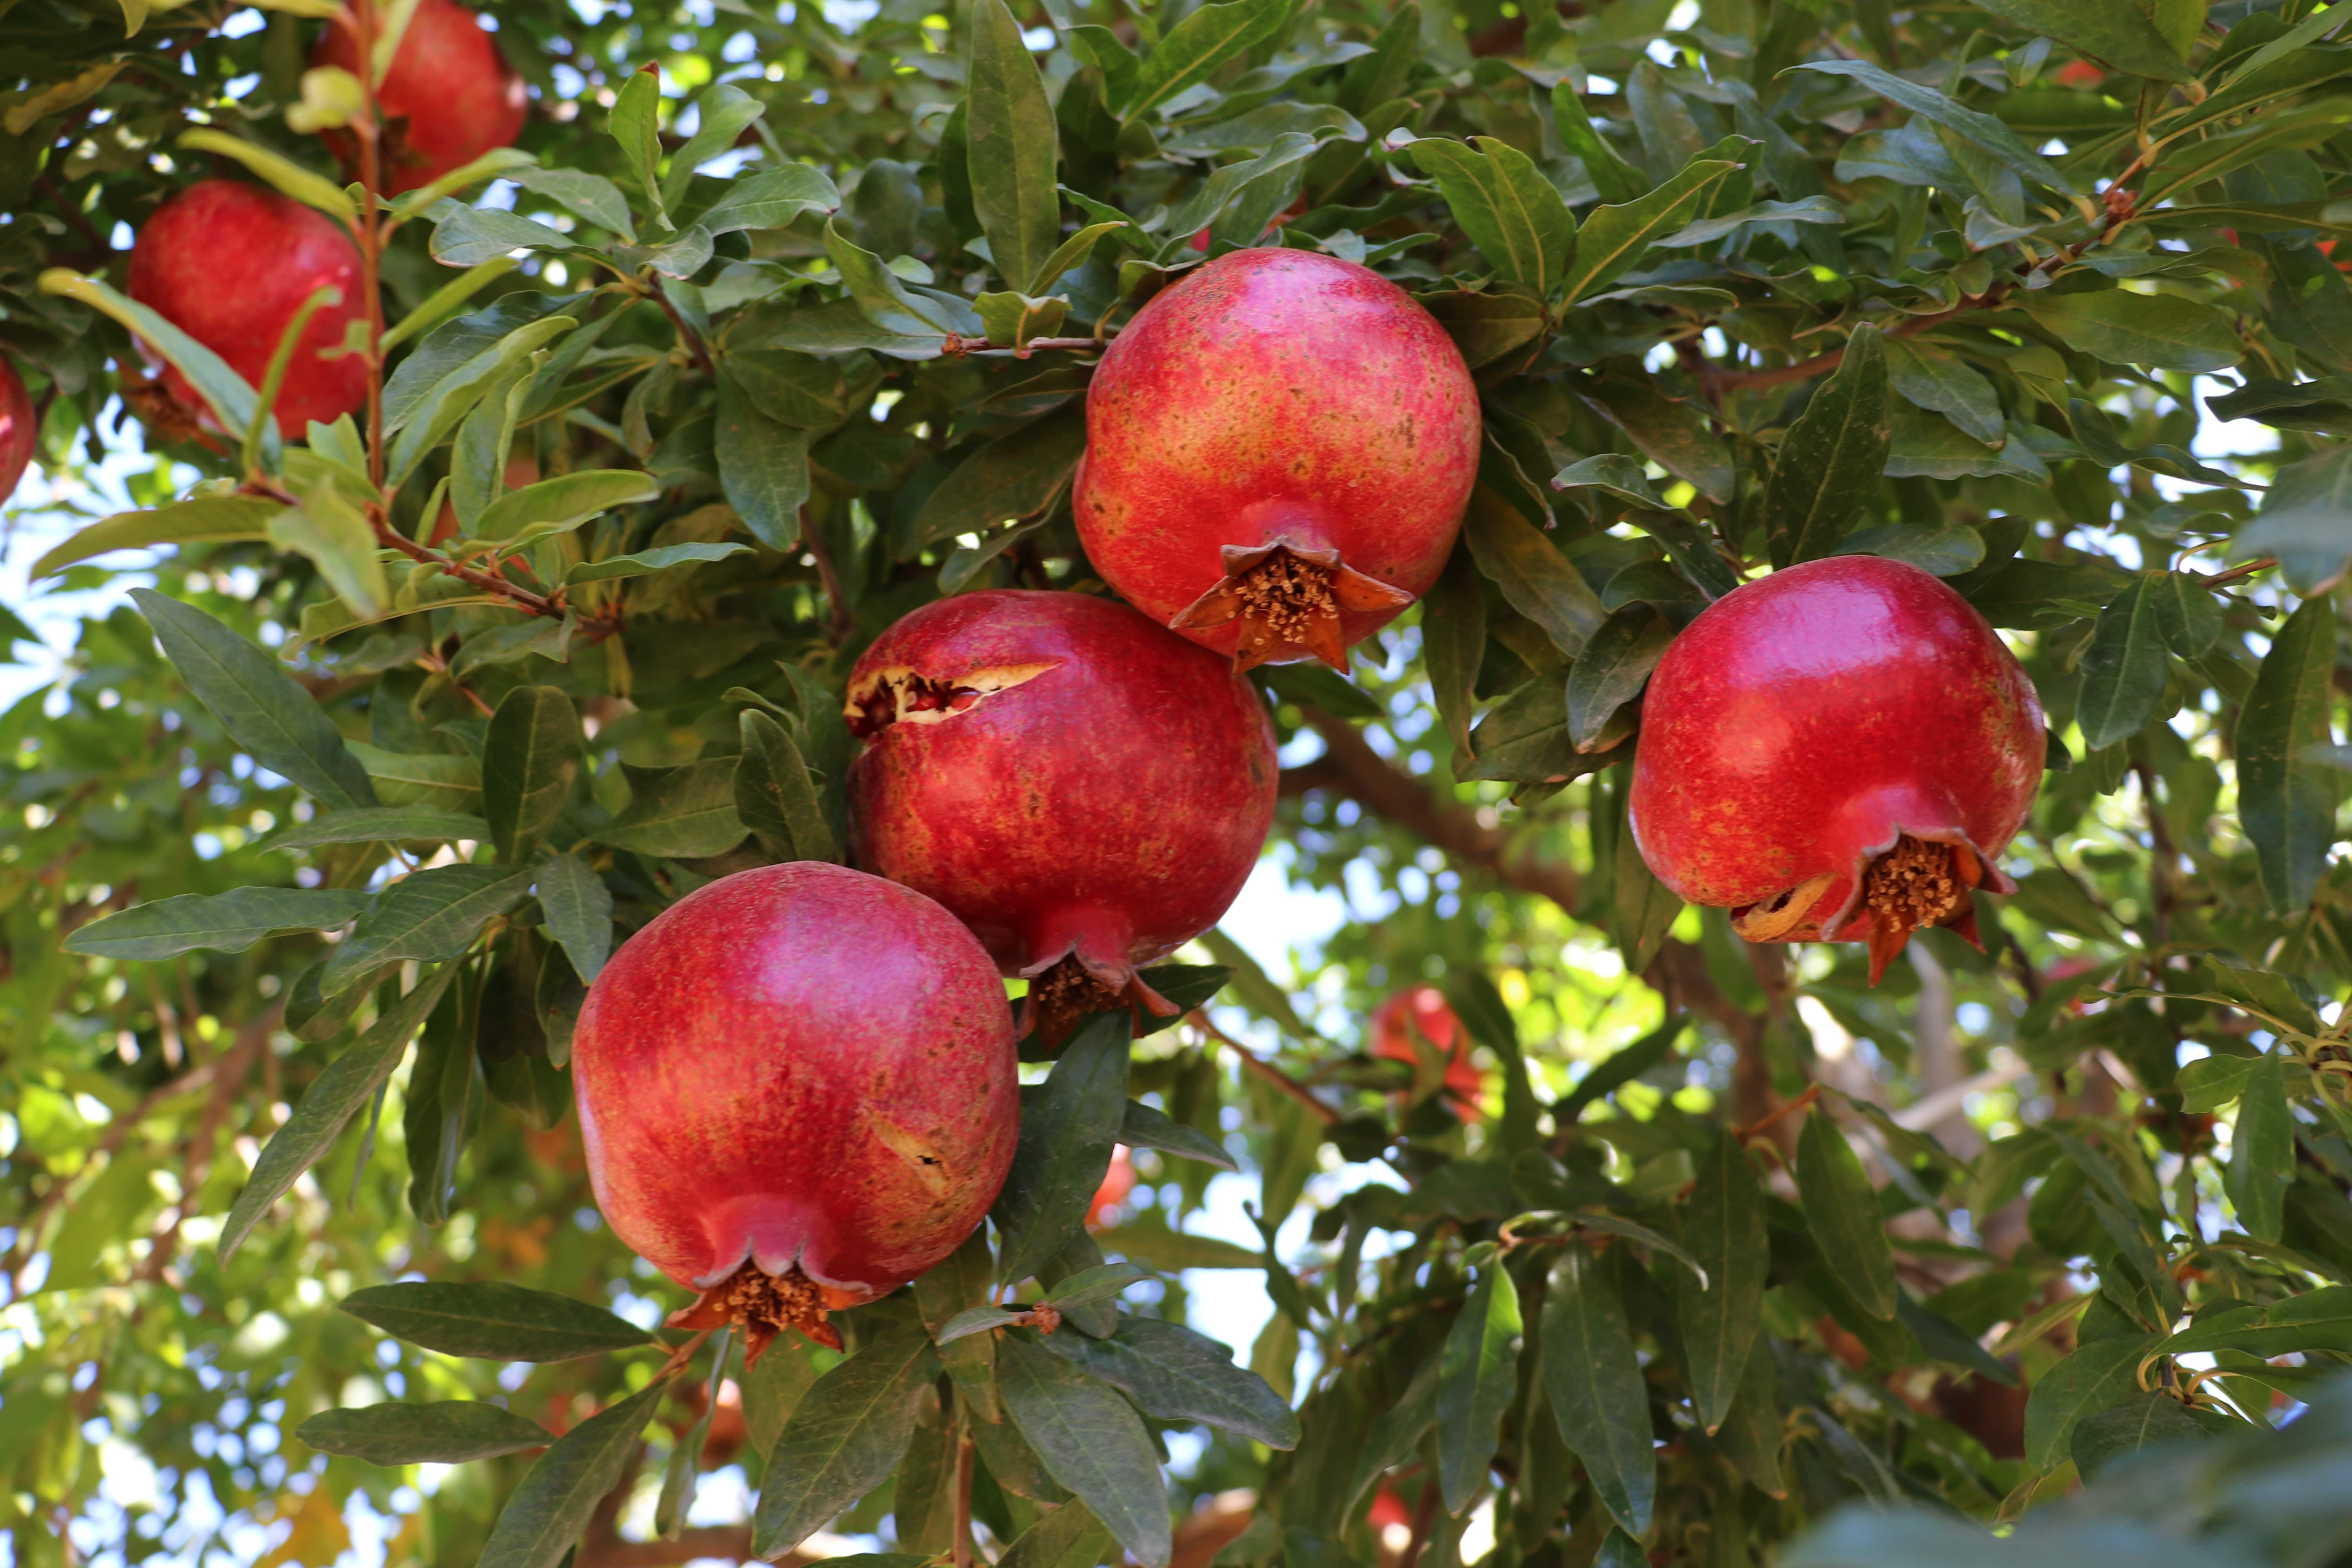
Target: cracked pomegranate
pixel 1084 790
pixel 19 423
pixel 1837 752
pixel 1278 450
pixel 229 264
pixel 450 97
pixel 797 1092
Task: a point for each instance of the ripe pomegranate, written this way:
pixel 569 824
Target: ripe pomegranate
pixel 1422 1010
pixel 797 1092
pixel 229 264
pixel 1836 753
pixel 1084 790
pixel 1278 450
pixel 450 97
pixel 1116 1183
pixel 19 424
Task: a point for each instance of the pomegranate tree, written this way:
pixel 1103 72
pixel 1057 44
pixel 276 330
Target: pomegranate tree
pixel 229 264
pixel 796 1089
pixel 1837 752
pixel 1278 450
pixel 19 423
pixel 448 98
pixel 1084 790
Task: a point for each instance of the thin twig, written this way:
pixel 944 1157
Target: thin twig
pixel 840 619
pixel 963 1491
pixel 1786 1109
pixel 687 334
pixel 1265 1069
pixel 1424 1513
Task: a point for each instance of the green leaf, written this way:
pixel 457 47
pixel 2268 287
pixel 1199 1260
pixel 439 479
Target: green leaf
pixel 492 1320
pixel 1614 668
pixel 1175 1375
pixel 1194 48
pixel 350 1081
pixel 1614 238
pixel 1067 1537
pixel 1016 476
pixel 430 916
pixel 1174 1250
pixel 204 519
pixel 2185 612
pixel 1099 1283
pixel 1594 1383
pixel 1091 1442
pixel 883 299
pixel 1983 131
pixel 436 781
pixel 476 236
pixel 224 922
pixel 448 1433
pixel 1454 644
pixel 2305 522
pixel 1068 1124
pixel 579 910
pixel 2138 1421
pixel 1826 473
pixel 774 796
pixel 636 124
pixel 722 113
pixel 763 465
pixel 561 504
pixel 685 1455
pixel 1842 1208
pixel 256 702
pixel 1723 1225
pixel 683 812
pixel 1013 186
pixel 769 198
pixel 789 388
pixel 378 824
pixel 1942 552
pixel 2101 1373
pixel 440 408
pixel 2162 332
pixel 543 1522
pixel 2286 799
pixel 1478 1376
pixel 2112 30
pixel 441 1100
pixel 1617 181
pixel 1622 1067
pixel 1141 1127
pixel 591 196
pixel 661 558
pixel 2124 667
pixel 2261 1151
pixel 232 400
pixel 309 189
pixel 1505 203
pixel 1945 384
pixel 339 540
pixel 1533 575
pixel 531 757
pixel 846 1434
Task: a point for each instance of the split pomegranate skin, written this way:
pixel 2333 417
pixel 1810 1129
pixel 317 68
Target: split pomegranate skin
pixel 19 424
pixel 1085 790
pixel 1279 448
pixel 1837 752
pixel 450 97
pixel 797 1092
pixel 229 264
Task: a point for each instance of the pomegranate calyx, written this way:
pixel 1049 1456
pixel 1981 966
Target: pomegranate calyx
pixel 1071 990
pixel 1286 592
pixel 1915 884
pixel 762 1305
pixel 903 696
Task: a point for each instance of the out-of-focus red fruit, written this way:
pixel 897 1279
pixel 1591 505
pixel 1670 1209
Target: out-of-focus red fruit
pixel 1116 1183
pixel 1278 450
pixel 1836 753
pixel 19 424
pixel 1388 1511
pixel 1422 1010
pixel 1084 790
pixel 797 1091
pixel 450 97
pixel 2079 73
pixel 229 264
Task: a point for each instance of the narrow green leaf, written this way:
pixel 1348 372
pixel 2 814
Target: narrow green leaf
pixel 636 124
pixel 1014 186
pixel 1091 1441
pixel 2116 31
pixel 492 1320
pixel 1614 238
pixel 431 781
pixel 1479 1377
pixel 1176 1375
pixel 1723 1225
pixel 1943 383
pixel 260 706
pixel 1068 1124
pixel 2186 612
pixel 2156 1416
pixel 1141 1127
pixel 1195 47
pixel 1614 668
pixel 339 540
pixel 1067 1537
pixel 644 562
pixel 1507 205
pixel 2005 146
pixel 1453 644
pixel 774 796
pixel 378 824
pixel 543 1522
pixel 1617 181
pixel 846 1436
pixel 530 759
pixel 2286 799
pixel 763 465
pixel 207 519
pixel 2163 331
pixel 2261 1151
pixel 723 112
pixel 1842 1208
pixel 1941 552
pixel 2124 667
pixel 232 400
pixel 1533 575
pixel 560 504
pixel 1828 468
pixel 224 922
pixel 429 915
pixel 447 1433
pixel 769 198
pixel 1017 475
pixel 579 910
pixel 2101 1374
pixel 1594 1383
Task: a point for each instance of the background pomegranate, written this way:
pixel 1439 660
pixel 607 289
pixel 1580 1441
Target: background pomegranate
pixel 1278 450
pixel 19 424
pixel 448 98
pixel 1422 1010
pixel 1837 752
pixel 796 1089
pixel 1116 1183
pixel 229 264
pixel 1084 790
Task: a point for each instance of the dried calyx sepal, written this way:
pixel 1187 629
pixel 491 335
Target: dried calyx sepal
pixel 1065 995
pixel 1915 884
pixel 762 1305
pixel 1284 594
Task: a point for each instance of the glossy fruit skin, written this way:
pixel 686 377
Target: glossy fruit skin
pixel 1806 721
pixel 450 97
pixel 229 264
pixel 1111 806
pixel 1273 394
pixel 1116 1183
pixel 1422 1010
pixel 19 424
pixel 764 1068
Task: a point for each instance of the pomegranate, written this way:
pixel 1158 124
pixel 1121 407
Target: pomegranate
pixel 1836 753
pixel 797 1092
pixel 1084 790
pixel 1278 450
pixel 448 98
pixel 20 422
pixel 1116 1183
pixel 1422 1010
pixel 229 264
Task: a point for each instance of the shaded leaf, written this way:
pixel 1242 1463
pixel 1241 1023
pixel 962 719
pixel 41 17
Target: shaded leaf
pixel 1068 1124
pixel 224 922
pixel 447 1433
pixel 1091 1441
pixel 845 1438
pixel 492 1320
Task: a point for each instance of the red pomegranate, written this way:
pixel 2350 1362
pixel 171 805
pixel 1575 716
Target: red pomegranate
pixel 229 264
pixel 19 424
pixel 1116 1183
pixel 448 98
pixel 1422 1010
pixel 797 1092
pixel 1083 789
pixel 1278 450
pixel 1836 753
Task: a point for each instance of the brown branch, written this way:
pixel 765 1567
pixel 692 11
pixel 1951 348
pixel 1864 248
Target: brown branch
pixel 604 1548
pixel 1265 1069
pixel 963 1493
pixel 1424 1513
pixel 685 332
pixel 840 620
pixel 1722 380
